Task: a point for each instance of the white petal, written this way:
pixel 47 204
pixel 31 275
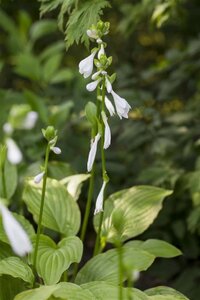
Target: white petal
pixel 38 178
pixel 99 201
pixel 107 135
pixel 95 75
pixel 7 128
pixel 121 105
pixel 14 153
pixel 109 106
pixel 92 85
pixel 86 65
pixel 101 51
pixel 108 85
pixel 92 153
pixel 30 120
pixel 17 237
pixel 56 150
pixel 92 33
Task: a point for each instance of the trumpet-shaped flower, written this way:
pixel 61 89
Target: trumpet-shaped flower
pixel 109 106
pixel 56 150
pixel 95 75
pixel 30 120
pixel 99 201
pixel 108 85
pixel 93 151
pixel 101 51
pixel 7 128
pixel 86 65
pixel 122 106
pixel 14 153
pixel 107 136
pixel 92 33
pixel 38 178
pixel 92 85
pixel 17 237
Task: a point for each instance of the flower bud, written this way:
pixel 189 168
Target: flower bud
pixel 49 133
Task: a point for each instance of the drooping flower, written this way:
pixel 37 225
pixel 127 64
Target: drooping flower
pixel 101 51
pixel 92 33
pixel 7 128
pixel 93 151
pixel 14 153
pixel 38 178
pixel 56 150
pixel 92 85
pixel 107 135
pixel 95 75
pixel 30 120
pixel 86 65
pixel 17 237
pixel 108 85
pixel 122 106
pixel 109 106
pixel 99 201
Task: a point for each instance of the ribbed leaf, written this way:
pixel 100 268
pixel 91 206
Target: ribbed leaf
pixel 54 259
pixel 164 293
pixel 10 287
pixel 5 251
pixel 106 291
pixel 61 213
pixel 16 268
pixel 10 179
pixel 104 267
pixel 155 247
pixel 135 208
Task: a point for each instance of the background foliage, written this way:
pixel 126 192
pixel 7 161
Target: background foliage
pixel 156 50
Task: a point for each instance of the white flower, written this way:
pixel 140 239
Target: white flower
pixel 99 201
pixel 14 153
pixel 86 65
pixel 101 51
pixel 95 75
pixel 92 85
pixel 7 128
pixel 108 85
pixel 92 33
pixel 30 120
pixel 38 178
pixel 92 153
pixel 109 106
pixel 56 150
pixel 17 237
pixel 122 106
pixel 107 135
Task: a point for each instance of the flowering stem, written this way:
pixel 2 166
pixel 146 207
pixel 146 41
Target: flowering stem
pixel 4 181
pixel 41 206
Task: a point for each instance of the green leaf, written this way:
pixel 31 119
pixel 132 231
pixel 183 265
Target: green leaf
pixel 10 179
pixel 60 113
pixel 5 251
pixel 25 224
pixel 51 66
pixel 106 291
pixel 74 184
pixel 26 62
pixel 10 287
pixel 81 19
pixel 41 293
pixel 104 267
pixel 164 293
pixel 59 170
pixel 155 247
pixel 136 208
pixel 54 259
pixel 91 113
pixel 61 213
pixel 16 268
pixel 41 28
pixel 63 75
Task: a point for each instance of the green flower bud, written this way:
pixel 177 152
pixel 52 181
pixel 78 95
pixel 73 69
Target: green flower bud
pixel 49 133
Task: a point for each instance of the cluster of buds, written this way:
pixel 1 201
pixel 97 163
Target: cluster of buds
pixel 103 81
pixel 50 134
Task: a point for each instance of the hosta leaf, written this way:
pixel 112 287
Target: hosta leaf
pixel 106 291
pixel 59 170
pixel 10 287
pixel 5 251
pixel 10 179
pixel 164 293
pixel 54 259
pixel 104 267
pixel 136 208
pixel 61 213
pixel 74 184
pixel 16 268
pixel 63 290
pixel 156 247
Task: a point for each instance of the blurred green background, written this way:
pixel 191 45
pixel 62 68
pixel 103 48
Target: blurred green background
pixel 156 53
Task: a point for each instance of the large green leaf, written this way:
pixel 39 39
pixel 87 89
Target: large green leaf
pixel 5 250
pixel 63 290
pixel 164 293
pixel 16 268
pixel 61 212
pixel 54 259
pixel 135 208
pixel 10 286
pixel 155 247
pixel 104 267
pixel 106 291
pixel 10 179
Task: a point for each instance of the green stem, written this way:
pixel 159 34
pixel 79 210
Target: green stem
pixel 41 206
pixel 120 270
pixel 4 181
